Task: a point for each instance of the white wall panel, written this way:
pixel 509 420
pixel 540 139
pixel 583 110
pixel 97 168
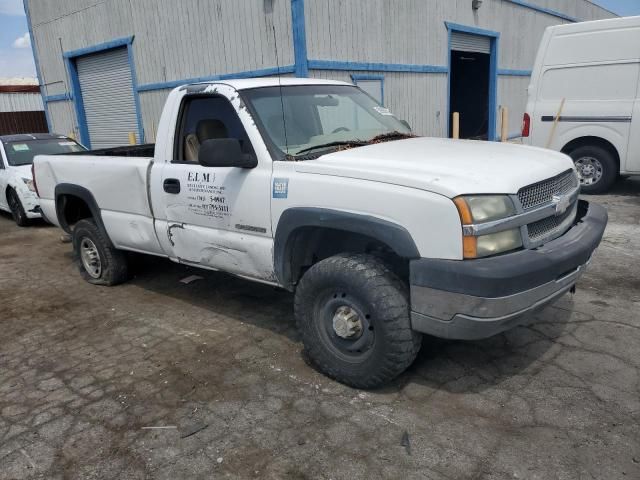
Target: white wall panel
pixel 20 102
pixel 63 118
pixel 512 93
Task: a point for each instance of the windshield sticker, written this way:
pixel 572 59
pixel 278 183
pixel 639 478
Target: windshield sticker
pixel 20 147
pixel 66 144
pixel 280 187
pixel 205 198
pixel 383 111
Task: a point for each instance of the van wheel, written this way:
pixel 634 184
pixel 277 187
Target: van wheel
pixel 17 211
pixel 596 167
pixel 353 315
pixel 99 262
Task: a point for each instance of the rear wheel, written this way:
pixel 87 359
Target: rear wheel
pixel 98 261
pixel 17 211
pixel 597 168
pixel 353 315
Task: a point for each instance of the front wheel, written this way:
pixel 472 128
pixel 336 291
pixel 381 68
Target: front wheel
pixel 597 168
pixel 17 210
pixel 98 261
pixel 353 315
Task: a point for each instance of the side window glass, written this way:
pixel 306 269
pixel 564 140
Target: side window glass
pixel 206 118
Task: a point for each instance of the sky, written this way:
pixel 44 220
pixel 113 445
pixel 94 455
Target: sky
pixel 16 58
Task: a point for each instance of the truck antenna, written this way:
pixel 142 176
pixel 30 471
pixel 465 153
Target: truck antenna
pixel 284 122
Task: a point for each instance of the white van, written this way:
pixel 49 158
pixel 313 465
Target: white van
pixel 587 75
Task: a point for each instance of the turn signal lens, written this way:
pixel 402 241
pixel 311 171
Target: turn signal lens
pixel 463 210
pixel 469 247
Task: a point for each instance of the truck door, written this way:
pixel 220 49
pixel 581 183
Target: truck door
pixel 216 217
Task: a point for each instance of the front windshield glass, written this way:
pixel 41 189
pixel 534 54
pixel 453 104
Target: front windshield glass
pixel 309 116
pixel 22 152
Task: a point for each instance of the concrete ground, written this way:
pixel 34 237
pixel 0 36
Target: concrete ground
pixel 158 379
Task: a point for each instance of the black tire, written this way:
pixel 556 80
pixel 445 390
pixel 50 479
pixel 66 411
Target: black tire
pixel 17 210
pixel 112 268
pixel 585 158
pixel 362 284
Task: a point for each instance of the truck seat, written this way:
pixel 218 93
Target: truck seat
pixel 205 130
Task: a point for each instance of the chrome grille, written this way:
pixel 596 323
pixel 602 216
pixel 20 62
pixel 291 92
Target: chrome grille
pixel 551 225
pixel 542 192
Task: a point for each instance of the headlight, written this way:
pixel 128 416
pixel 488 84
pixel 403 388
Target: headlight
pixel 485 208
pixel 479 209
pixel 498 242
pixel 29 183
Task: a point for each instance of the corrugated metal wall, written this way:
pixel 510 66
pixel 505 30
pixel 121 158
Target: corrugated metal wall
pixel 20 102
pixel 182 40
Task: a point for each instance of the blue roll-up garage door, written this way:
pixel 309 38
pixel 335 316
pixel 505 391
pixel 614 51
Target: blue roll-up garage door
pixel 107 96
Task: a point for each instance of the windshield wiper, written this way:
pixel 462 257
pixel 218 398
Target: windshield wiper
pixel 395 135
pixel 350 143
pixel 391 136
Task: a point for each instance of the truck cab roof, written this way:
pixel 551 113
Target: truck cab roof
pixel 247 83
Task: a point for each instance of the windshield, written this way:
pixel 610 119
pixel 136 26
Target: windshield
pixel 308 116
pixel 22 152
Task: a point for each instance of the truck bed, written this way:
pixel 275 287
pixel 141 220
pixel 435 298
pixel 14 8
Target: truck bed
pixel 117 184
pixel 145 150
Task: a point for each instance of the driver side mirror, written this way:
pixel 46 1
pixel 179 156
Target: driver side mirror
pixel 224 152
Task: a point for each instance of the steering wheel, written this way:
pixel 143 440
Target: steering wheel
pixel 341 129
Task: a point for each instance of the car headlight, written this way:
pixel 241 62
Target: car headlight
pixel 485 208
pixel 498 242
pixel 29 183
pixel 479 209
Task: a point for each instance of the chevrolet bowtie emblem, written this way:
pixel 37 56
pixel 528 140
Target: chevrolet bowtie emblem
pixel 561 203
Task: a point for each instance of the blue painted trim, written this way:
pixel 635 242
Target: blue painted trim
pixel 118 42
pixel 492 132
pixel 375 67
pixel 136 96
pixel 299 38
pixel 548 11
pixel 448 113
pixel 58 98
pixel 493 72
pixel 264 72
pixel 514 73
pixel 78 103
pixel 472 30
pixel 25 4
pixel 355 77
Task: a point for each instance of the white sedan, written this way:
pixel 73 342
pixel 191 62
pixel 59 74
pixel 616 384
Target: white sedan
pixel 17 192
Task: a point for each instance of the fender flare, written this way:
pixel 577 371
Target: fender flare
pixel 83 194
pixel 292 219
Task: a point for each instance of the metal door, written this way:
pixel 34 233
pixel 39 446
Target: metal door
pixel 107 97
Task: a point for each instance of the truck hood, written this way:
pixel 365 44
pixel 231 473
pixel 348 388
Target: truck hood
pixel 443 166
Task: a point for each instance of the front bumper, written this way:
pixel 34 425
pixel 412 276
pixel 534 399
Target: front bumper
pixel 472 299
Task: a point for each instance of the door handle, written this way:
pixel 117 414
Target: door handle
pixel 171 185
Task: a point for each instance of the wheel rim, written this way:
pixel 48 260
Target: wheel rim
pixel 14 206
pixel 344 326
pixel 90 258
pixel 589 170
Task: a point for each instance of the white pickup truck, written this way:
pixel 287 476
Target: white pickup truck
pixel 312 186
